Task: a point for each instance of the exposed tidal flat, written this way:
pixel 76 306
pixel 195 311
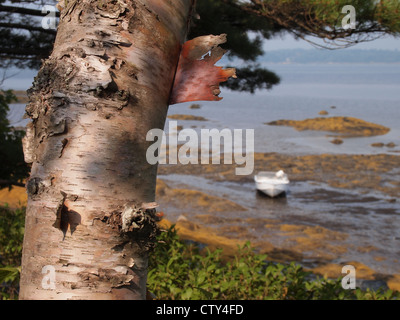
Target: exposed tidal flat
pixel 341 209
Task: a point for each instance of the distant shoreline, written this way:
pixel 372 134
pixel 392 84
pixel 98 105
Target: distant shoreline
pixel 343 56
pixel 331 63
pixel 21 95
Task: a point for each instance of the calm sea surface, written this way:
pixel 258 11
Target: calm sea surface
pixel 367 92
pixel 370 92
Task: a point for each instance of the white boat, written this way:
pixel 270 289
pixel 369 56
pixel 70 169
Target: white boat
pixel 272 183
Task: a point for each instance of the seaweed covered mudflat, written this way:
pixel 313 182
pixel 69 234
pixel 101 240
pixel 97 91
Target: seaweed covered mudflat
pixel 340 209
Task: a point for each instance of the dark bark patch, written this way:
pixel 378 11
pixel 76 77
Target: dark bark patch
pixel 122 95
pixel 101 276
pixel 36 186
pixel 111 9
pixel 131 70
pixel 57 127
pixel 117 64
pixel 53 74
pixel 58 211
pixel 140 227
pixel 120 247
pixel 69 219
pixel 65 217
pixel 41 81
pixel 113 219
pixel 64 143
pixel 32 186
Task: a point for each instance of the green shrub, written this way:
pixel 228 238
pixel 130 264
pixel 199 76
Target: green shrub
pixel 179 271
pixel 11 237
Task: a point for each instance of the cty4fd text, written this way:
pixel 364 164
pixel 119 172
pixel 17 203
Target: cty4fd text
pixel 205 309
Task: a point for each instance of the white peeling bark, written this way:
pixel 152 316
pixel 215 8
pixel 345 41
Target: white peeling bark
pixel 106 84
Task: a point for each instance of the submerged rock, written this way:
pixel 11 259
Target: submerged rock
pixel 378 145
pixel 186 117
pixel 345 126
pixel 337 141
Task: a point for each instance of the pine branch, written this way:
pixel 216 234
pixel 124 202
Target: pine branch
pixel 26 27
pixel 25 11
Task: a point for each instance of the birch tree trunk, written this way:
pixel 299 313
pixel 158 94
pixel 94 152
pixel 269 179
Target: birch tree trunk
pixel 90 219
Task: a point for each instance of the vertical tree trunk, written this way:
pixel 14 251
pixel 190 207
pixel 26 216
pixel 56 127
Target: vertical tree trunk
pixel 106 84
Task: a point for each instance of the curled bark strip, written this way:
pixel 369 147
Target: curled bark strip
pixel 197 78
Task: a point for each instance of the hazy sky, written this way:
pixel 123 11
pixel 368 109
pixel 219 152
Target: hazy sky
pixel 23 79
pixel 288 42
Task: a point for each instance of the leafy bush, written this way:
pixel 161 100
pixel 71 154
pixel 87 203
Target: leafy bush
pixel 11 237
pixel 180 271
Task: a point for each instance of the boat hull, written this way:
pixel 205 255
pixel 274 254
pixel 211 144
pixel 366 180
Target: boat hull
pixel 273 191
pixel 271 183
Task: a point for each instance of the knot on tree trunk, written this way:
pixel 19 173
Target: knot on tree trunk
pixel 136 223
